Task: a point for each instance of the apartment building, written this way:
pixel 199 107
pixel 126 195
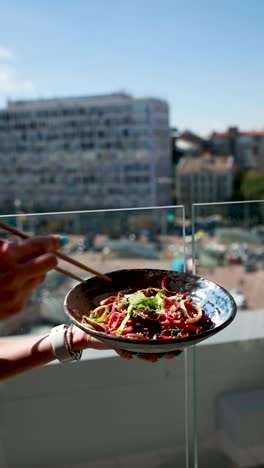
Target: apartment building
pixel 204 179
pixel 92 152
pixel 247 147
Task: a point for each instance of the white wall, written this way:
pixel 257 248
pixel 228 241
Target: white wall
pixel 92 409
pixel 110 407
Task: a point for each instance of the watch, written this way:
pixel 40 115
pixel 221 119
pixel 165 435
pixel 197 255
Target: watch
pixel 61 344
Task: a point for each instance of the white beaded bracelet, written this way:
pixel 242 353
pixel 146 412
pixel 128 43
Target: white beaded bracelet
pixel 68 338
pixel 61 337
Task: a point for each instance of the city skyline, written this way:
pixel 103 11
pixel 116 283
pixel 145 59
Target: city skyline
pixel 205 59
pixel 63 149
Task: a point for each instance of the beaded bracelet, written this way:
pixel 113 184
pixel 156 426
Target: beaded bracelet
pixel 68 338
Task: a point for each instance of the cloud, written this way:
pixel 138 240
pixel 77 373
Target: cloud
pixel 10 84
pixel 6 53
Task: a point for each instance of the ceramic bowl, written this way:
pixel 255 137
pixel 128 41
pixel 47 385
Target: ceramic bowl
pixel 216 302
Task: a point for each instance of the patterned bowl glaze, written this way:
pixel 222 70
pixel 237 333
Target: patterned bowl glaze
pixel 217 303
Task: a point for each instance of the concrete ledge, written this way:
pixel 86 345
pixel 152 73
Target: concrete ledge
pixel 240 416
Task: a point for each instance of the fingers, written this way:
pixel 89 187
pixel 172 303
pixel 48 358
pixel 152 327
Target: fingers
pixel 13 304
pixel 20 274
pixel 150 357
pixel 23 266
pixel 10 295
pixel 125 354
pixel 25 250
pixel 81 340
pixel 96 344
pixel 10 309
pixel 38 266
pixel 35 282
pixel 13 301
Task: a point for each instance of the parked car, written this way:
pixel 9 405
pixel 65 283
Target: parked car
pixel 239 298
pixel 234 259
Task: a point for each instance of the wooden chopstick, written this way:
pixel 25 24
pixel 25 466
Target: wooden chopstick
pixel 70 274
pixel 82 266
pixel 64 257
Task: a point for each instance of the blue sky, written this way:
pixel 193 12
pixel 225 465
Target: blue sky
pixel 205 57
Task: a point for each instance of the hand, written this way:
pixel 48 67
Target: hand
pixel 23 266
pixel 81 340
pixel 150 357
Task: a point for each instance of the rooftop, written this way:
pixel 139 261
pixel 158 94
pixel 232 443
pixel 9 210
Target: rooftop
pixel 94 100
pixel 205 162
pixel 74 100
pixel 235 131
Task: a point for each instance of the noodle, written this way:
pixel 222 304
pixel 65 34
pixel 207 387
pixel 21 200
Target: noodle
pixel 151 313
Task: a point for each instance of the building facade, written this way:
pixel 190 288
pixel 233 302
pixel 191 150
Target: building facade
pixel 204 179
pixel 247 147
pixel 104 151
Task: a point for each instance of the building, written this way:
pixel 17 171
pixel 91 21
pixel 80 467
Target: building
pixel 204 179
pixel 184 144
pixel 247 147
pixel 85 153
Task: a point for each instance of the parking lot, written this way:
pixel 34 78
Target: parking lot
pixel 234 276
pixel 230 276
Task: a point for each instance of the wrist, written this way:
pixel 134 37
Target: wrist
pixel 45 347
pixel 40 349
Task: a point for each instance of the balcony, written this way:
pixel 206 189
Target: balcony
pixel 202 409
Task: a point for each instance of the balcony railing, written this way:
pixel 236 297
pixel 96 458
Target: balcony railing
pixel 202 409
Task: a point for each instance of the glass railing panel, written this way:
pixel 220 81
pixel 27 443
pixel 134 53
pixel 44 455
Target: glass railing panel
pixel 105 241
pixel 228 383
pixel 149 421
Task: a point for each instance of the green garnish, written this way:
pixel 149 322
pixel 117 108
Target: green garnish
pixel 139 301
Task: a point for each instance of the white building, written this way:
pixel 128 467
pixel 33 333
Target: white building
pixel 85 152
pixel 204 179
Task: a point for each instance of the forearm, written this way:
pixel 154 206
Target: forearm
pixel 21 354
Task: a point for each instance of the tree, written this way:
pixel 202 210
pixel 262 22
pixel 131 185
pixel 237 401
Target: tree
pixel 252 186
